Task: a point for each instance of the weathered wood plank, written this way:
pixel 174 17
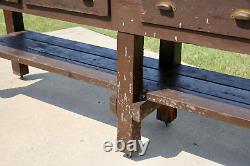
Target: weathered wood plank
pixel 65 68
pixel 202 106
pixel 148 62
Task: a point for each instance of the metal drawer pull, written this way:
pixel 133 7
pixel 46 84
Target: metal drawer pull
pixel 166 5
pixel 241 14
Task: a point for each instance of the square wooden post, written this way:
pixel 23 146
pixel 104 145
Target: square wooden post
pixel 129 82
pixel 14 23
pixel 170 57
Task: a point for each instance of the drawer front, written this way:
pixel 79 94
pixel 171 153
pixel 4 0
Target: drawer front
pixel 95 7
pixel 215 16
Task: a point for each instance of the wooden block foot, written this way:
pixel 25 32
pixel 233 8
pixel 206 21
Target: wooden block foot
pixel 20 69
pixel 166 114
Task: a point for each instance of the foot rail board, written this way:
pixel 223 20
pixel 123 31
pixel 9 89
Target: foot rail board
pixel 89 75
pixel 202 106
pixel 149 63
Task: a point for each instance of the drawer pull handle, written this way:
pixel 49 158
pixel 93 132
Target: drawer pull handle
pixel 241 14
pixel 166 5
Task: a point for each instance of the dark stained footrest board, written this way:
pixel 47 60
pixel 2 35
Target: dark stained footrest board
pixel 53 58
pixel 188 87
pixel 202 106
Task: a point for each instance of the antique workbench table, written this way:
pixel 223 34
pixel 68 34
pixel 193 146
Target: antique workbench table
pixel 141 85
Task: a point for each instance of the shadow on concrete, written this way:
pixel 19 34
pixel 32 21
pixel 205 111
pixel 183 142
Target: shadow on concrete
pixel 215 141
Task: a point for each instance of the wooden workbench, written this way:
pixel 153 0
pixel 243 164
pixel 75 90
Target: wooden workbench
pixel 141 85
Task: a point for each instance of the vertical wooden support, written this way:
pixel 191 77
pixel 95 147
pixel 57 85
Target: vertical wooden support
pixel 14 23
pixel 129 82
pixel 170 54
pixel 170 57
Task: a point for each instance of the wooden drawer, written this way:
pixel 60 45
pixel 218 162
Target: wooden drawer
pixel 95 7
pixel 213 16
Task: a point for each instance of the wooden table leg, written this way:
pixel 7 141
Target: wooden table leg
pixel 170 56
pixel 129 82
pixel 14 23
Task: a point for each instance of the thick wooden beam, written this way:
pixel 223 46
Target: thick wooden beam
pixel 140 109
pixel 211 108
pixel 14 23
pixel 169 57
pixel 129 83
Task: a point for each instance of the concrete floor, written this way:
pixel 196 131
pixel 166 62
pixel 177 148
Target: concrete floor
pixel 48 120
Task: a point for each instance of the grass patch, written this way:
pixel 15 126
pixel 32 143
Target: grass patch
pixel 207 58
